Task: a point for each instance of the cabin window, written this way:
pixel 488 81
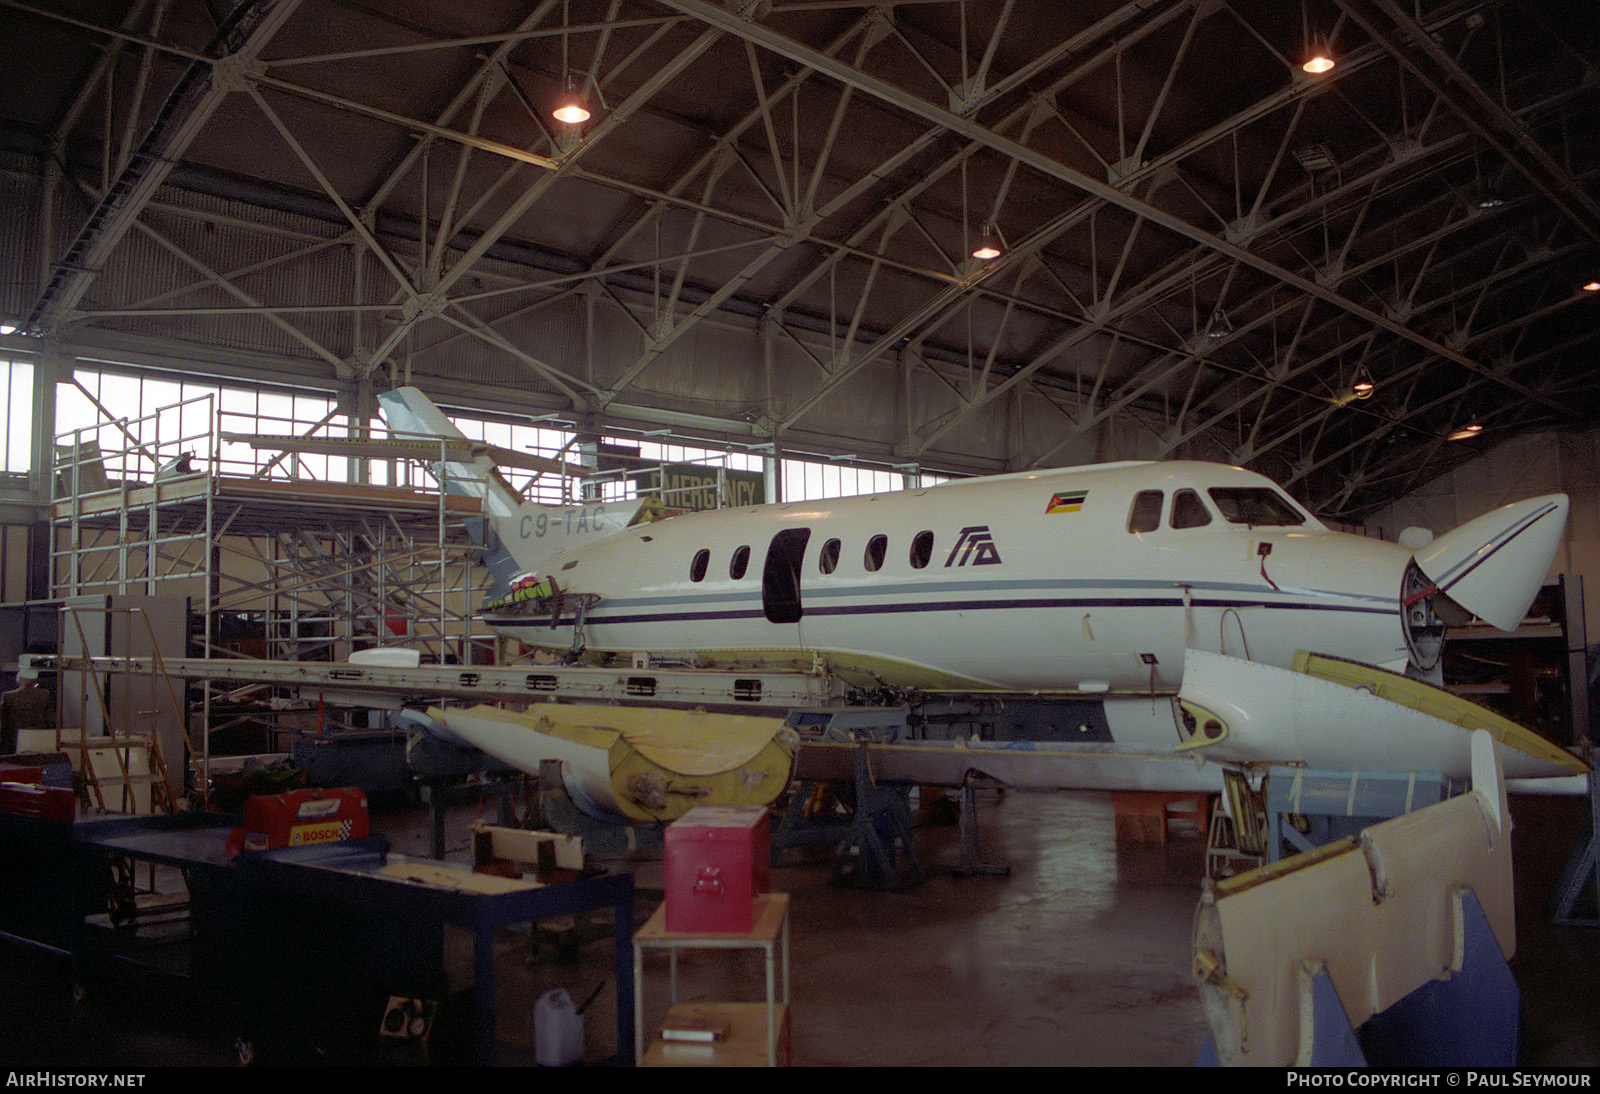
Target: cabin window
pixel 877 549
pixel 1145 516
pixel 739 563
pixel 1255 506
pixel 697 568
pixel 828 557
pixel 1188 511
pixel 921 550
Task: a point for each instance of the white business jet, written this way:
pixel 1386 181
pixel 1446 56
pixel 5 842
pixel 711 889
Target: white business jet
pixel 1172 593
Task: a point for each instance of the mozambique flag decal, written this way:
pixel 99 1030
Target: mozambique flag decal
pixel 1069 502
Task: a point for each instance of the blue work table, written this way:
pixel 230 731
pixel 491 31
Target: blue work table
pixel 275 932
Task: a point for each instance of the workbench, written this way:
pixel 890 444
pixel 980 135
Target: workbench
pixel 278 934
pixel 347 874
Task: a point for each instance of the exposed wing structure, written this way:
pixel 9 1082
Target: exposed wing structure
pixel 1382 913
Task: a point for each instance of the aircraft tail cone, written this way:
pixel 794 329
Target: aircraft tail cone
pixel 1492 566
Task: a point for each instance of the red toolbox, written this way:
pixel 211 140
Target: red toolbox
pixel 32 800
pixel 717 860
pixel 304 816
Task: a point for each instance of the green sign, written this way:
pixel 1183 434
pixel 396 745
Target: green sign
pixel 693 486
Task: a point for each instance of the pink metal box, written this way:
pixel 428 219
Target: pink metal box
pixel 717 860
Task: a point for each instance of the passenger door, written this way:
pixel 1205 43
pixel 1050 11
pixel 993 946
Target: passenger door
pixel 780 578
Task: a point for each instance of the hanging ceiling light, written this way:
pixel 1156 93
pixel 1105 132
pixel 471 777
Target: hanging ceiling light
pixel 1219 327
pixel 986 245
pixel 1319 58
pixel 570 107
pixel 1592 286
pixel 1471 425
pixel 1362 386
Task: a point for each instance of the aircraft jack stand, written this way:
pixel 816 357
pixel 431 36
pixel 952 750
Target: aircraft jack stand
pixel 1469 1019
pixel 1580 881
pixel 879 824
pixel 558 813
pixel 869 841
pixel 969 864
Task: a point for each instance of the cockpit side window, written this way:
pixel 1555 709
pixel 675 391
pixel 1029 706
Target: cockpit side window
pixel 1255 505
pixel 1145 516
pixel 1188 511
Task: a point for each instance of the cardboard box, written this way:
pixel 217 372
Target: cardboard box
pixel 717 860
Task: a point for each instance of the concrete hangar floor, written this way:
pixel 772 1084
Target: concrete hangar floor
pixel 1079 957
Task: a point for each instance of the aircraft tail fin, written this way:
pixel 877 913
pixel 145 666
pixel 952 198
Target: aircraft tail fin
pixel 413 415
pixel 514 536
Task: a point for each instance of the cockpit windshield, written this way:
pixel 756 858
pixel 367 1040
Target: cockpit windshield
pixel 1254 505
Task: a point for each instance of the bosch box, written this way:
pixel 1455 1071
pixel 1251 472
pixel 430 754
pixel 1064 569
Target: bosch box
pixel 304 816
pixel 717 860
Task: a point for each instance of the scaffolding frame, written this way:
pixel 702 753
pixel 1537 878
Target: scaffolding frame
pixel 158 504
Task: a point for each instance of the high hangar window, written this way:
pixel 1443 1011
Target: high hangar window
pixel 1145 516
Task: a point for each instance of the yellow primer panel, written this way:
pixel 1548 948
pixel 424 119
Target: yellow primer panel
pixel 664 762
pixel 1434 701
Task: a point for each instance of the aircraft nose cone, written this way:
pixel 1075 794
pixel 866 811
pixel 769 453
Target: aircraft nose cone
pixel 1493 565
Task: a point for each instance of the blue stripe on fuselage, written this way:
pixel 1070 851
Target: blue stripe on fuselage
pixel 601 616
pixel 1140 589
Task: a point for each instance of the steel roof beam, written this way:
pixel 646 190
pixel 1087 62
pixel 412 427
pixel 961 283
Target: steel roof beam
pixel 188 108
pixel 1386 22
pixel 769 39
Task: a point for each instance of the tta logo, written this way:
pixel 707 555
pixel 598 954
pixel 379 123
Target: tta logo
pixel 974 545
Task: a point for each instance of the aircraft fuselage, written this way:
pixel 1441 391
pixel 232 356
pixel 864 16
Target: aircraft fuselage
pixel 1088 580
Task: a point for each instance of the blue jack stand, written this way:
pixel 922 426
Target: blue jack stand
pixel 971 864
pixel 1577 899
pixel 873 836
